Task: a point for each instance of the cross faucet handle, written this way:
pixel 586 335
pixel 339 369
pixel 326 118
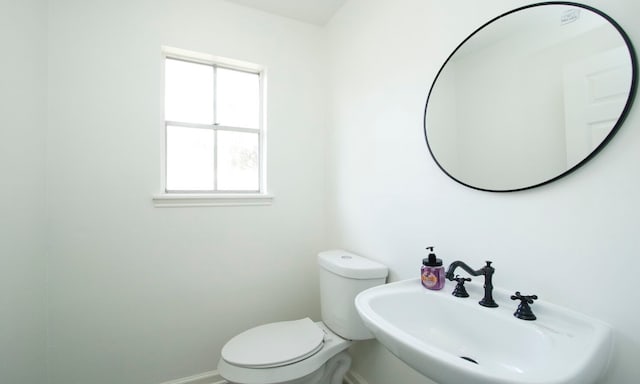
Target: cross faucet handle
pixel 461 279
pixel 524 310
pixel 528 299
pixel 460 290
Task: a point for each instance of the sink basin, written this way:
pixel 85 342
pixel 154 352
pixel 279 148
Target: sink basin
pixel 454 340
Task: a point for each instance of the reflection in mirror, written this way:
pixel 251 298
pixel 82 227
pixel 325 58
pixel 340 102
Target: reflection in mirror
pixel 530 96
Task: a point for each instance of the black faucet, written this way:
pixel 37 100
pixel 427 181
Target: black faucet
pixel 486 271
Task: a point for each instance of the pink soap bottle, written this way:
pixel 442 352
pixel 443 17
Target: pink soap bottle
pixel 432 272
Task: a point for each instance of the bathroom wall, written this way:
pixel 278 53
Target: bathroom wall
pixel 22 192
pixel 574 242
pixel 141 294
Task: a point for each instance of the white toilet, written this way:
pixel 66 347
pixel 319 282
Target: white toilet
pixel 301 351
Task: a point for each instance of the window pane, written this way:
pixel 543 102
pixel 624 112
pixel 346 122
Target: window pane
pixel 189 159
pixel 238 98
pixel 238 162
pixel 188 92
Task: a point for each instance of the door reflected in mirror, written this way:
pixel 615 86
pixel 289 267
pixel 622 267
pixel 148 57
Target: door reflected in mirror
pixel 530 96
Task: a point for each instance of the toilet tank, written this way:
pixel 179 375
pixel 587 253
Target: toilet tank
pixel 342 276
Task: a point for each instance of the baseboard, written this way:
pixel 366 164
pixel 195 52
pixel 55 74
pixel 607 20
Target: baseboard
pixel 353 377
pixel 212 377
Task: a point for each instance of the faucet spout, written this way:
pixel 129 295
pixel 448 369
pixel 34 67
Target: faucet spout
pixel 487 271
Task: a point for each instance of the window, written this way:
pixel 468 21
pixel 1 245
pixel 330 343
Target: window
pixel 214 134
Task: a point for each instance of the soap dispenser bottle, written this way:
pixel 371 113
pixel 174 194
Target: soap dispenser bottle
pixel 432 272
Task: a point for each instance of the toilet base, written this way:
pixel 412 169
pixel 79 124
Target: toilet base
pixel 336 368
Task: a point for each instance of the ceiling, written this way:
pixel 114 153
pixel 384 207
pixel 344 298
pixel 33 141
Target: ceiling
pixel 317 12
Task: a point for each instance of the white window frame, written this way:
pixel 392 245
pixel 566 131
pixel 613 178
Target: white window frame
pixel 215 198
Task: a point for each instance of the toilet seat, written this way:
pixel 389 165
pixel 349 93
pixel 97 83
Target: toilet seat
pixel 332 345
pixel 275 344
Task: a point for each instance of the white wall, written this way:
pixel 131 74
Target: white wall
pixel 574 242
pixel 22 191
pixel 141 294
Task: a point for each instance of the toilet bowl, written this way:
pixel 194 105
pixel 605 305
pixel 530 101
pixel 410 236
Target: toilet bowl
pixel 302 351
pixel 292 352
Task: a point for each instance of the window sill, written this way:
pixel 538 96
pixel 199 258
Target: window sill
pixel 177 200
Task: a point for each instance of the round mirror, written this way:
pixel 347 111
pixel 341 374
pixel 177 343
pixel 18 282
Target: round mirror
pixel 530 96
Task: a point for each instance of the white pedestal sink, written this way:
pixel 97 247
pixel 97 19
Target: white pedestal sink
pixel 454 340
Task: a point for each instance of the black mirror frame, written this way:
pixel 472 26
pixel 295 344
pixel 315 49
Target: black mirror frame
pixel 614 130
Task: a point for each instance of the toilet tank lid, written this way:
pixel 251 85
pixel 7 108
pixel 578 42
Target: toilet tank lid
pixel 350 265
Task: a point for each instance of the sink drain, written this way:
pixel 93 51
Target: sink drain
pixel 469 359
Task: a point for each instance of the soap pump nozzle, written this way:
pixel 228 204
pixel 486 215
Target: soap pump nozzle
pixel 432 259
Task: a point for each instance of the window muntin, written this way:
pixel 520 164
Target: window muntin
pixel 213 128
